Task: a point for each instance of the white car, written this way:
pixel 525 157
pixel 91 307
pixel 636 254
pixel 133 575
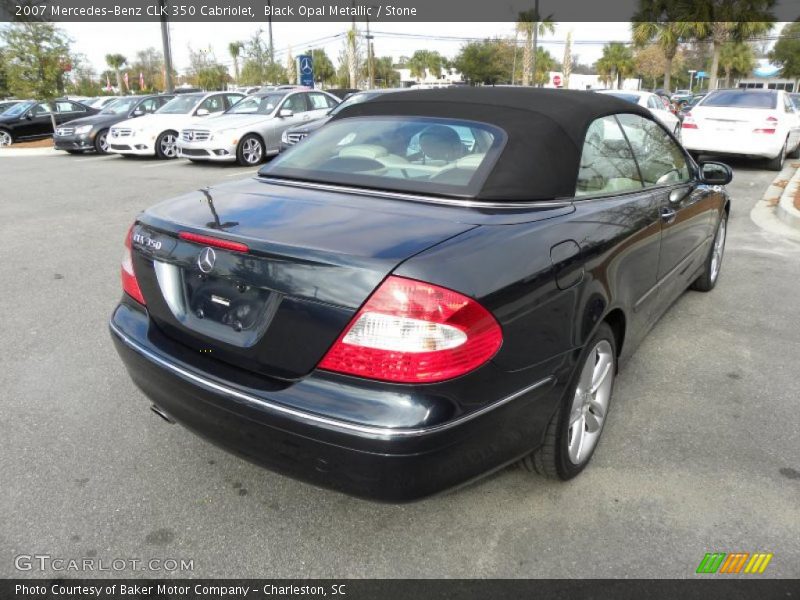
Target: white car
pixel 754 123
pixel 653 103
pixel 251 130
pixel 157 134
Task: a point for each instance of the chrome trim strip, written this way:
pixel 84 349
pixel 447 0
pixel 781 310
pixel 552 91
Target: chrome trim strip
pixel 383 432
pixel 414 197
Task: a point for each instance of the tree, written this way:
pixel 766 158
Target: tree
pixel 235 50
pixel 353 54
pixel 544 64
pixel 423 62
pixel 36 55
pixel 257 58
pixel 786 52
pixel 324 71
pixel 115 62
pixel 83 79
pixel 150 63
pixel 528 22
pixel 616 63
pixel 3 74
pixel 275 74
pixel 385 73
pixel 722 22
pixel 566 64
pixel 482 62
pixel 650 63
pixel 736 58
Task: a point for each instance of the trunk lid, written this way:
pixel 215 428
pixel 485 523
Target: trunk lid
pixel 725 120
pixel 314 257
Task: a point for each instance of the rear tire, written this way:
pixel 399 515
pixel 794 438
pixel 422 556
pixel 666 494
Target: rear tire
pixel 101 142
pixel 574 431
pixel 794 153
pixel 167 145
pixel 776 164
pixel 708 280
pixel 6 139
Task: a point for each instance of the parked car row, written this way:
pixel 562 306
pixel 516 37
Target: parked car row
pixel 31 120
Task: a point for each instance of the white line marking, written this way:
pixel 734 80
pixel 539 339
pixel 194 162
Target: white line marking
pixel 241 174
pixel 163 164
pixel 94 158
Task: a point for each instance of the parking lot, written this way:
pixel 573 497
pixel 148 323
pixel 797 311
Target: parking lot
pixel 700 453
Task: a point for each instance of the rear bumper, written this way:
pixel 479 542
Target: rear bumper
pixel 754 145
pixel 379 463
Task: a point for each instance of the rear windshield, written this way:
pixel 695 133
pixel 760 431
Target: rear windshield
pixel 405 154
pixel 633 98
pixel 741 99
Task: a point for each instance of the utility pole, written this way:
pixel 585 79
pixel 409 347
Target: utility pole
pixel 514 62
pixel 167 47
pixel 370 64
pixel 535 39
pixel 269 33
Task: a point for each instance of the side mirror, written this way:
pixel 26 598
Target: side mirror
pixel 137 113
pixel 286 112
pixel 29 116
pixel 202 112
pixel 715 173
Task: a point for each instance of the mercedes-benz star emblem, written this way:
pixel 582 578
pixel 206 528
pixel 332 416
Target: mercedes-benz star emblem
pixel 206 260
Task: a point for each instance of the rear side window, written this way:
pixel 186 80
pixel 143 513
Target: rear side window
pixel 407 154
pixel 661 161
pixel 741 99
pixel 607 163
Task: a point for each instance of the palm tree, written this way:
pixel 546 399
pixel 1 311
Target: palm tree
pixel 528 22
pixel 115 62
pixel 736 57
pixel 423 62
pixel 235 50
pixel 722 22
pixel 616 63
pixel 667 35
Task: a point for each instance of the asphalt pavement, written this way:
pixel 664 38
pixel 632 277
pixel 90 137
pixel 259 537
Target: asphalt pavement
pixel 701 451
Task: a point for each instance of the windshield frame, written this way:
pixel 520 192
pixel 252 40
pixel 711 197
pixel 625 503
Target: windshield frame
pixel 379 183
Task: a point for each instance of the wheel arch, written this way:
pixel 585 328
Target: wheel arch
pixel 617 320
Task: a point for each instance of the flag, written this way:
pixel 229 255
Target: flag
pixel 108 83
pixel 125 79
pixel 141 81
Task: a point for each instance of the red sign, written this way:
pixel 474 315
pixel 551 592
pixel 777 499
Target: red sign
pixel 557 80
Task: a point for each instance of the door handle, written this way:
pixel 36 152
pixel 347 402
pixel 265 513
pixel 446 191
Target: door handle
pixel 668 215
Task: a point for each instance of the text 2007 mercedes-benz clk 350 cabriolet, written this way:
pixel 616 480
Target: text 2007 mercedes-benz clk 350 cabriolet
pixel 435 284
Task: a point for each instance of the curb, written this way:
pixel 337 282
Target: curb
pixel 788 206
pixel 29 152
pixel 766 213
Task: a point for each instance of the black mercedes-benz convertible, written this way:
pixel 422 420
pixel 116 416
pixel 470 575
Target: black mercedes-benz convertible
pixel 434 285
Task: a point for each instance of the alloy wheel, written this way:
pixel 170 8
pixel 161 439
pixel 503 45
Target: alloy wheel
pixel 102 142
pixel 5 138
pixel 169 145
pixel 718 250
pixel 252 151
pixel 590 404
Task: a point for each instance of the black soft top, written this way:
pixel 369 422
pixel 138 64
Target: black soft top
pixel 545 129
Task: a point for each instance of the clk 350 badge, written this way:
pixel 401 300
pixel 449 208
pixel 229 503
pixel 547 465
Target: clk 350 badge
pixel 146 241
pixel 206 260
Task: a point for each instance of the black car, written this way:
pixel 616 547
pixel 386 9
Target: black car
pixel 90 133
pixel 30 120
pixel 299 132
pixel 436 284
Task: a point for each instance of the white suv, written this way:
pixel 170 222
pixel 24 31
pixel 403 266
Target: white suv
pixel 744 122
pixel 157 134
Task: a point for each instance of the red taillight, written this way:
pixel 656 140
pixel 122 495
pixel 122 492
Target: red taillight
pixel 129 284
pixel 415 332
pixel 770 125
pixel 688 123
pixel 212 241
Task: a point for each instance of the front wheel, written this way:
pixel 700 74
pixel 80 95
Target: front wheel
pixel 167 145
pixel 101 142
pixel 5 138
pixel 707 281
pixel 250 151
pixel 574 431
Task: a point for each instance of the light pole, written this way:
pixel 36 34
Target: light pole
pixel 535 40
pixel 691 77
pixel 370 64
pixel 167 48
pixel 269 32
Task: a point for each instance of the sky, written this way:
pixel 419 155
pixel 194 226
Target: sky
pixel 95 40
